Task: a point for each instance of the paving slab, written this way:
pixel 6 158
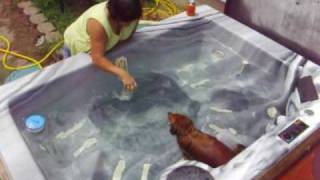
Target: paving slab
pixel 38 18
pixel 46 27
pixel 31 10
pixel 25 4
pixel 53 36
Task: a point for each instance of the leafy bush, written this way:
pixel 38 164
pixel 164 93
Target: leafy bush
pixel 72 9
pixel 51 9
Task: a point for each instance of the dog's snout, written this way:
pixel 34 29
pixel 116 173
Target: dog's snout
pixel 169 113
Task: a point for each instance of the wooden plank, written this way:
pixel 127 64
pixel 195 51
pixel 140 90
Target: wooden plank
pixel 217 4
pixel 275 171
pixel 3 173
pixel 304 168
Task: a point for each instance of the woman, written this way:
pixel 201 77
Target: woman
pixel 102 27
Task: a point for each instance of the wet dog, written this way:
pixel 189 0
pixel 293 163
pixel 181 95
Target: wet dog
pixel 196 145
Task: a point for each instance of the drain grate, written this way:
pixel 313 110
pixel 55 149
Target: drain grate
pixel 189 173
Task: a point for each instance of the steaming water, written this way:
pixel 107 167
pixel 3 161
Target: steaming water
pixel 196 76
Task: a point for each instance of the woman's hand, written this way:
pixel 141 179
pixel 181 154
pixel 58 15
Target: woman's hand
pixel 99 39
pixel 128 81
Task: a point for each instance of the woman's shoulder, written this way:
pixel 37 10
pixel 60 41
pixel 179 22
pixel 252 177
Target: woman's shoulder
pixel 99 13
pixel 96 9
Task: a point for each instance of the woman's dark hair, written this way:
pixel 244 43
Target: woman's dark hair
pixel 124 10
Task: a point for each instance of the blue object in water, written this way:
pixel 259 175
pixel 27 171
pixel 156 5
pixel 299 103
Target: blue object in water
pixel 35 123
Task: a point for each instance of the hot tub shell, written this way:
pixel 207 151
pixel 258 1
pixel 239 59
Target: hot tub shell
pixel 253 162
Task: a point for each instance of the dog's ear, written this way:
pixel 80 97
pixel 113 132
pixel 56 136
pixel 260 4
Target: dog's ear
pixel 186 124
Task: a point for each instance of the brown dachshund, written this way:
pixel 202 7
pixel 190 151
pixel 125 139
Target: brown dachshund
pixel 196 145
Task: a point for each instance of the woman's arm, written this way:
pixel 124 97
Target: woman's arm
pixel 99 39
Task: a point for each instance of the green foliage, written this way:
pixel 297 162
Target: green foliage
pixel 51 9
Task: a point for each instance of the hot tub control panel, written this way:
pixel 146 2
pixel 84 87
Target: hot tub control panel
pixel 293 131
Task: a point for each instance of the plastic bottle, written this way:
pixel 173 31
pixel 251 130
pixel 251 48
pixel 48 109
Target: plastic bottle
pixel 191 8
pixel 124 95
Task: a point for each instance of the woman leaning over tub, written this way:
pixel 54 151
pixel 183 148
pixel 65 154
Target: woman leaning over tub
pixel 99 29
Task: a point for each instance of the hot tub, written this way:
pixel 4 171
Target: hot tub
pixel 217 71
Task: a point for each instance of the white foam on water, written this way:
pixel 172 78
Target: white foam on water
pixel 200 83
pixel 69 132
pixel 187 68
pixel 220 110
pixel 145 171
pixel 117 174
pixel 86 145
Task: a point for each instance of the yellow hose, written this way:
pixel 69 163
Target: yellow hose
pixel 34 62
pixel 167 4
